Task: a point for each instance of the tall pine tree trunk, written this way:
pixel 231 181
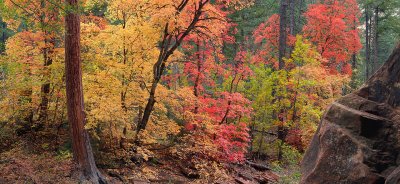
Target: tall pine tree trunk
pixel 282 32
pixel 82 150
pixel 292 21
pixel 367 43
pixel 282 53
pixel 3 36
pixel 125 59
pixel 354 56
pixel 375 65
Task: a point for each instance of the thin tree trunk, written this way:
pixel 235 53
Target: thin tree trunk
pixel 282 32
pixel 24 99
pixel 3 36
pixel 281 136
pixel 28 112
pixel 49 42
pixel 252 130
pixel 197 80
pixel 375 41
pixel 353 61
pixel 149 108
pixel 292 21
pixel 353 56
pixel 176 72
pixel 282 52
pixel 125 59
pixel 45 88
pixel 225 117
pixel 169 44
pixel 367 46
pixel 82 150
pixel 261 142
pixel 294 105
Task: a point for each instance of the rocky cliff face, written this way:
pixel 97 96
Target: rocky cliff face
pixel 358 139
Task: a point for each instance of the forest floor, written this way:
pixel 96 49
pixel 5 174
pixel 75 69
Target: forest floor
pixel 26 163
pixel 21 165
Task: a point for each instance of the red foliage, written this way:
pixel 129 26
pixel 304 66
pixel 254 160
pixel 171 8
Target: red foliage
pixel 201 65
pixel 332 27
pixel 294 138
pixel 224 110
pixel 267 36
pixel 204 66
pixel 233 140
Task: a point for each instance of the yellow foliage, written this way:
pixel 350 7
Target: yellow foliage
pixel 24 61
pixel 118 66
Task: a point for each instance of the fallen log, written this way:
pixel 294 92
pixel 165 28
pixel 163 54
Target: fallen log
pixel 259 167
pixel 246 176
pixel 116 175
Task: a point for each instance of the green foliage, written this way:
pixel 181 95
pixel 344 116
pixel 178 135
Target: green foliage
pixel 294 98
pixel 291 156
pixel 388 34
pixel 64 154
pixel 293 177
pixel 288 169
pixel 96 7
pixel 288 175
pixel 2 47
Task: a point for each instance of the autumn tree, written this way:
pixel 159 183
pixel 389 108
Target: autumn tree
pixel 118 67
pixel 274 39
pixel 170 42
pixel 304 88
pixel 332 27
pixel 44 18
pixel 174 33
pixel 215 115
pixel 267 36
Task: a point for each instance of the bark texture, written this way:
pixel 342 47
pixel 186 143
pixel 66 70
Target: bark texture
pixel 367 42
pixel 282 32
pixel 82 150
pixel 282 131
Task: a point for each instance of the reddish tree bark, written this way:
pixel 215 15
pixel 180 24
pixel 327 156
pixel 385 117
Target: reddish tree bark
pixel 197 80
pixel 82 150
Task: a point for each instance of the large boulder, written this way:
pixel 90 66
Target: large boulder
pixel 358 139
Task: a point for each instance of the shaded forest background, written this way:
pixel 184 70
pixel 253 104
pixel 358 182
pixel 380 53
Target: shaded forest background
pixel 201 82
